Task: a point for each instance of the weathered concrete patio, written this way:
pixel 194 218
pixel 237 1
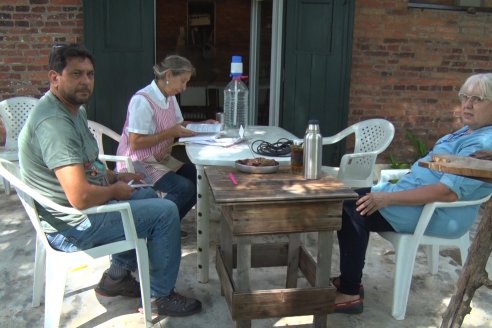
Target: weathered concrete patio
pixel 82 308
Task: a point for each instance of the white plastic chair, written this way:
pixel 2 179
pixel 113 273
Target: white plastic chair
pixel 372 137
pixel 98 131
pixel 14 112
pixel 406 246
pixel 51 266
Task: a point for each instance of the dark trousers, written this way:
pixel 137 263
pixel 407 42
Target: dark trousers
pixel 353 239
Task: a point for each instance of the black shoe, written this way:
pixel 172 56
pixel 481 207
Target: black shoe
pixel 176 305
pixel 126 286
pixel 335 281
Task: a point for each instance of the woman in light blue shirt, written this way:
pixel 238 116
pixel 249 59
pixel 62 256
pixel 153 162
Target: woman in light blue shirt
pixel 397 207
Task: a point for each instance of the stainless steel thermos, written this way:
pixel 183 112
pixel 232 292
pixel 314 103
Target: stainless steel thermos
pixel 312 150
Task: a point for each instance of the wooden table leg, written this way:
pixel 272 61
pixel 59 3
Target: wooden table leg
pixel 243 268
pixel 323 270
pixel 226 247
pixel 202 224
pixel 293 259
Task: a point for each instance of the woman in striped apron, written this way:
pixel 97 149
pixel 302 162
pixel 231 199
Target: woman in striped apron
pixel 153 122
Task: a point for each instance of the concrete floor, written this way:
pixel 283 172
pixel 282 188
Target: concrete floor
pixel 83 308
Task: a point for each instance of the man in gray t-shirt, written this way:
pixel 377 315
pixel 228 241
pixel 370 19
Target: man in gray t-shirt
pixel 59 157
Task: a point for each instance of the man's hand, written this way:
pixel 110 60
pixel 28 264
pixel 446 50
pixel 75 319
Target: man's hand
pixel 121 190
pixel 127 177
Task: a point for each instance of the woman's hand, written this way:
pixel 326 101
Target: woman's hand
pixel 180 131
pixel 210 121
pixel 483 154
pixel 371 202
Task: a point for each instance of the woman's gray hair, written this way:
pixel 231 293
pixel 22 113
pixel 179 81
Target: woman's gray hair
pixel 482 81
pixel 175 64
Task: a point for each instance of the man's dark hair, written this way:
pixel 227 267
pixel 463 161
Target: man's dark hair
pixel 60 53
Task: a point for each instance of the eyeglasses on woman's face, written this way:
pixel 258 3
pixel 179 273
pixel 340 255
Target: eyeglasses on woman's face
pixel 464 98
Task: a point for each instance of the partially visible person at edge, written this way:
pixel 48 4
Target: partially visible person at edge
pixel 153 122
pixel 397 207
pixel 59 157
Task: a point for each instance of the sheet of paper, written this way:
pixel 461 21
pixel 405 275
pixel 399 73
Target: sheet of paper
pixel 204 127
pixel 211 140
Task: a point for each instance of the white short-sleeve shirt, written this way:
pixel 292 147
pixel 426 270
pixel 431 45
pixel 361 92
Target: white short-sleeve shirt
pixel 140 119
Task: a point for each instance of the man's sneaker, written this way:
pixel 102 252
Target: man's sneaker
pixel 126 286
pixel 176 305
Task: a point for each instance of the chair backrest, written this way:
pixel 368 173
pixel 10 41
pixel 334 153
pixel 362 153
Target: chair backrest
pixel 372 137
pixel 98 130
pixel 14 112
pixel 27 195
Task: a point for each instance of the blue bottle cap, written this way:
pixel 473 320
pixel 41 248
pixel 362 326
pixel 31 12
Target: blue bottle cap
pixel 236 67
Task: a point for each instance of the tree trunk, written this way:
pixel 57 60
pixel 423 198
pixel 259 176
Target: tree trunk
pixel 473 275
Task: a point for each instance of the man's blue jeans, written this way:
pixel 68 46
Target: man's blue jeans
pixel 180 188
pixel 156 219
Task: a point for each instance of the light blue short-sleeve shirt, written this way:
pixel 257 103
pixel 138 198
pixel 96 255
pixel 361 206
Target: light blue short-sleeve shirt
pixel 446 222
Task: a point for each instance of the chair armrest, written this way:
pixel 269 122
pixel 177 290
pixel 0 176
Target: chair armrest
pixel 114 158
pixel 364 154
pixel 126 217
pixel 337 137
pixel 429 209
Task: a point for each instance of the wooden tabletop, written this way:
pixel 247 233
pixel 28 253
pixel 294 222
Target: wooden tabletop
pixel 281 186
pixel 465 166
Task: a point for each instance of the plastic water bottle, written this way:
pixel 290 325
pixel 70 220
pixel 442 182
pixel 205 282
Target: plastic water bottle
pixel 235 100
pixel 312 151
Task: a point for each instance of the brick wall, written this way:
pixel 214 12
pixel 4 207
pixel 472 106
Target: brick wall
pixel 28 29
pixel 407 64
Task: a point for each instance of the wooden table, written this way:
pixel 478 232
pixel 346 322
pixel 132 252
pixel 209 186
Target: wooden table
pixel 278 203
pixel 202 155
pixel 473 274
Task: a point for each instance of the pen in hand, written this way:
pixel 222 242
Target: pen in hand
pixel 130 182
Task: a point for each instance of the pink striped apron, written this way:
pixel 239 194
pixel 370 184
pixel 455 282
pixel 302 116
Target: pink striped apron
pixel 164 119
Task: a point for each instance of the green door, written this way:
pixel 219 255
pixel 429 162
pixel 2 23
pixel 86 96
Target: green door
pixel 318 40
pixel 120 34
